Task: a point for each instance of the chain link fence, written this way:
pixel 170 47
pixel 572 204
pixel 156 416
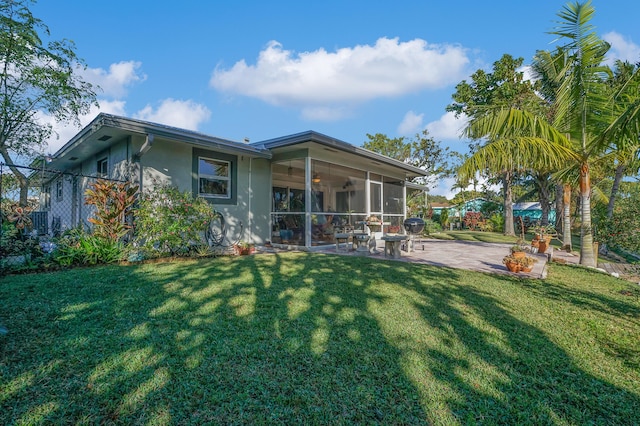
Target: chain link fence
pixel 55 203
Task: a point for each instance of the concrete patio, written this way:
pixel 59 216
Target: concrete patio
pixel 472 256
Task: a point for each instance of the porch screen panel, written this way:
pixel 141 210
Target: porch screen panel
pixel 393 197
pixel 375 191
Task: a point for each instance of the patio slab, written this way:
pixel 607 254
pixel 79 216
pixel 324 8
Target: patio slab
pixel 468 255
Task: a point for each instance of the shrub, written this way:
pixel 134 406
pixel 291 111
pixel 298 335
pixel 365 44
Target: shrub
pixel 431 227
pixel 169 222
pixel 472 220
pixel 113 202
pixel 444 218
pixel 623 229
pixel 77 247
pixel 497 222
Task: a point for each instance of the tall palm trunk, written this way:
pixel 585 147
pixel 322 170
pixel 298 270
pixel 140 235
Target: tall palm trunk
pixel 587 257
pixel 559 208
pixel 508 204
pixel 566 217
pixel 614 189
pixel 544 196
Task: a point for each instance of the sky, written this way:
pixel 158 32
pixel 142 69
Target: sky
pixel 266 69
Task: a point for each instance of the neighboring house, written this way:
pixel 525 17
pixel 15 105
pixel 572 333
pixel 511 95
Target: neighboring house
pixel 438 208
pixel 473 205
pixel 291 190
pixel 532 210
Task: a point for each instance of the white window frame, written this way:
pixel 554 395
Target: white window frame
pixel 226 178
pixel 46 195
pixel 99 163
pixel 60 189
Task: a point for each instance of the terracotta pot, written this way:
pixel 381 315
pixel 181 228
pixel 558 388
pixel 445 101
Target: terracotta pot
pixel 518 254
pixel 513 266
pixel 527 269
pixel 542 246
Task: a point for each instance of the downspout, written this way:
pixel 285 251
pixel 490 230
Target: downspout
pixel 137 157
pixel 249 216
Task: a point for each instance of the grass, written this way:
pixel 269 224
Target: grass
pixel 313 338
pixel 486 237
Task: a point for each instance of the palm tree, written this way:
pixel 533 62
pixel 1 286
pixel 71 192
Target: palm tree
pixel 585 120
pixel 510 151
pixel 627 156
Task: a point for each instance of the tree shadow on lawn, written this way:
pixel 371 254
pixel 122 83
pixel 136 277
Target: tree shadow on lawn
pixel 531 379
pixel 289 339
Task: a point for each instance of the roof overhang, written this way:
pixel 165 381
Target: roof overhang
pixel 417 186
pixel 318 138
pixel 106 129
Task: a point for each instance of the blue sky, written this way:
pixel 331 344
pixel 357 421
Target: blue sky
pixel 262 69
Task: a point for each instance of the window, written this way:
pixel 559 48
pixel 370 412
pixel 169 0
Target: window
pixel 102 168
pixel 46 197
pixel 214 178
pixel 59 191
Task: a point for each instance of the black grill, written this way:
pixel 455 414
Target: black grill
pixel 413 225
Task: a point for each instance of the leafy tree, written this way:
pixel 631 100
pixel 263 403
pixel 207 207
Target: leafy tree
pixel 35 78
pixel 422 151
pixel 586 120
pixel 622 229
pixel 504 87
pixel 627 157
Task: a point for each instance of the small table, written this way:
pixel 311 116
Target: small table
pixel 360 243
pixel 342 238
pixel 392 245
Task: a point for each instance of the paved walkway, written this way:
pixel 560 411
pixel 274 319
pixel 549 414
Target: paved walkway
pixel 468 255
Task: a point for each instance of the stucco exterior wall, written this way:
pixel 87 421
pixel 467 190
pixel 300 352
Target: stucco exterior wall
pixel 246 217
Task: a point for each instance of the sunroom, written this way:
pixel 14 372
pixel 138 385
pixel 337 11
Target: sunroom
pixel 321 185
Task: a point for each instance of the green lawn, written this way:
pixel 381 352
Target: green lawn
pixel 313 338
pixel 466 235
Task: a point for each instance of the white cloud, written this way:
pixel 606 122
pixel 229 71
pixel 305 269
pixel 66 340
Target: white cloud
pixel 63 132
pixel 184 114
pixel 444 188
pixel 345 77
pixel 448 126
pixel 411 123
pixel 622 48
pixel 527 73
pixel 323 113
pixel 115 81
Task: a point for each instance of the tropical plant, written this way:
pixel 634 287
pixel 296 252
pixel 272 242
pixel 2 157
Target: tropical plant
pixel 622 229
pixel 20 216
pixel 584 120
pixel 504 87
pixel 77 247
pixel 113 202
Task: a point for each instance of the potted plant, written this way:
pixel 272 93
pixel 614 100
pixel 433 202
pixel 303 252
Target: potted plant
pixel 517 251
pixel 544 233
pixel 511 263
pixel 244 248
pixel 526 263
pixel 518 264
